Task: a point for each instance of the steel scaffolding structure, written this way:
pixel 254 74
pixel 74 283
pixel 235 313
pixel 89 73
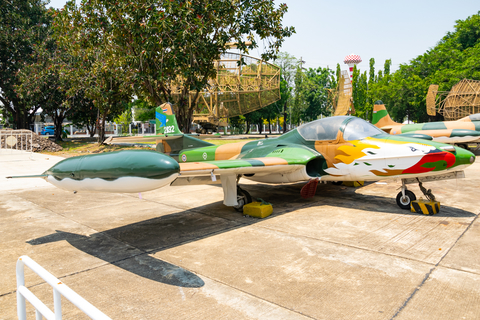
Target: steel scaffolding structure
pixel 243 84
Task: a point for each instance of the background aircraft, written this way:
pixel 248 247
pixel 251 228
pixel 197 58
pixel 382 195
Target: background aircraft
pixel 341 148
pixel 460 132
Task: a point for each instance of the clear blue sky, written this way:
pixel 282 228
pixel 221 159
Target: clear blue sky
pixel 327 31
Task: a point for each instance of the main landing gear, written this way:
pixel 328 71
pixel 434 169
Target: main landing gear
pixel 233 195
pixel 405 197
pixel 243 198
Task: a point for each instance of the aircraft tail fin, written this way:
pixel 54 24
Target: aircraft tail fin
pixel 171 140
pixel 165 120
pixel 381 118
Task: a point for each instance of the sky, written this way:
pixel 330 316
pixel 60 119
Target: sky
pixel 327 31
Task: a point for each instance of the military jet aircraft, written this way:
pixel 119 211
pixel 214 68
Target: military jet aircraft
pixel 342 148
pixel 460 132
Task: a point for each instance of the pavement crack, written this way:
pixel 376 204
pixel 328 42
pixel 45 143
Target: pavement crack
pixel 427 275
pixel 257 297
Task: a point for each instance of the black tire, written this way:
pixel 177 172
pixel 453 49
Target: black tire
pixel 337 183
pixel 405 203
pixel 243 198
pixel 47 133
pixel 203 131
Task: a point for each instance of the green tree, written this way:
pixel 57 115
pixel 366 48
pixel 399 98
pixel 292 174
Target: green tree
pixel 299 103
pixel 24 24
pixel 83 112
pixel 359 94
pixel 254 117
pixel 143 110
pixel 43 84
pixel 168 48
pixel 97 74
pixel 455 57
pixel 237 124
pixel 124 120
pixel 288 65
pixel 315 88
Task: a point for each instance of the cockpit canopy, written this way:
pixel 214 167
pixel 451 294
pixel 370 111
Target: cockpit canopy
pixel 327 129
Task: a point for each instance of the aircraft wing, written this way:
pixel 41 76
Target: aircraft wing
pixel 261 161
pixel 141 139
pixel 450 135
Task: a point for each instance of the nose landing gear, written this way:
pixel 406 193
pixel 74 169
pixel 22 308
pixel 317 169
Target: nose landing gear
pixel 405 197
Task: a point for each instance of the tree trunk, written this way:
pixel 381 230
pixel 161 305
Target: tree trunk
pixel 58 121
pixel 285 117
pixel 91 130
pixel 101 129
pixel 247 129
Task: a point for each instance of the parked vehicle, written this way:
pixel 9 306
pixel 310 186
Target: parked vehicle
pixel 48 130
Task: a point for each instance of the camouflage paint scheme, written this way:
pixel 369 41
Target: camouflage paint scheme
pixel 341 148
pixel 120 171
pixel 461 131
pixel 296 156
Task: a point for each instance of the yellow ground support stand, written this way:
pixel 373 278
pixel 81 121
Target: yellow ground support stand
pixel 354 184
pixel 258 209
pixel 425 206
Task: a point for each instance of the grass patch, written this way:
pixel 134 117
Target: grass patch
pixel 78 147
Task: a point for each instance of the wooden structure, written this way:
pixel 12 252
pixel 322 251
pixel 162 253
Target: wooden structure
pixel 342 100
pixel 461 101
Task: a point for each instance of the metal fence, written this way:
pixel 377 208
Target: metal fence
pixel 13 141
pixel 59 289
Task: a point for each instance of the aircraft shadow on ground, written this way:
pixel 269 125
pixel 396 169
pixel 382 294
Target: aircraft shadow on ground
pixel 130 247
pixel 343 197
pixel 141 264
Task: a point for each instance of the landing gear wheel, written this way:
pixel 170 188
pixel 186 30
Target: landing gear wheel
pixel 243 198
pixel 404 202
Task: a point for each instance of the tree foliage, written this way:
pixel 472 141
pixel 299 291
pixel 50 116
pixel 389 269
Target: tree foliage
pixel 83 112
pixel 24 24
pixel 311 92
pixel 43 83
pixel 455 57
pixel 160 42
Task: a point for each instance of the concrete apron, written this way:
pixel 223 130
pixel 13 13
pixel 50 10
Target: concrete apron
pixel 178 253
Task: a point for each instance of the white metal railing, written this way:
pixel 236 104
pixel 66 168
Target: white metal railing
pixel 59 289
pixel 16 140
pixel 15 144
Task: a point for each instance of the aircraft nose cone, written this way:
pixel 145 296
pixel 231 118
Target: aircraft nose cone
pixel 463 156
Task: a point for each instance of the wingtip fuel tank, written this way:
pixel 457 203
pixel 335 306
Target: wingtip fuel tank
pixel 128 171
